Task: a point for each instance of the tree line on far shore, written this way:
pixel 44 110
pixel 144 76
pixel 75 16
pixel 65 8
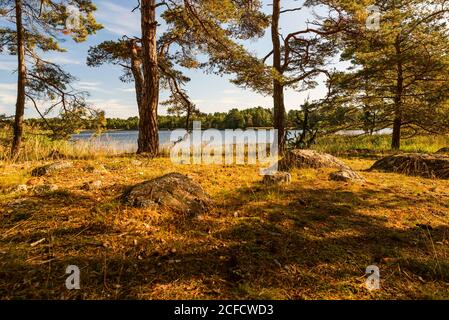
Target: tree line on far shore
pixel 311 119
pixel 257 117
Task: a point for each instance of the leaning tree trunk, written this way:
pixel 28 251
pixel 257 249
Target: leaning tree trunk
pixel 397 122
pixel 278 88
pixel 21 82
pixel 136 67
pixel 148 126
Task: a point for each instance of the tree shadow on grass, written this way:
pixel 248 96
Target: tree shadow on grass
pixel 294 242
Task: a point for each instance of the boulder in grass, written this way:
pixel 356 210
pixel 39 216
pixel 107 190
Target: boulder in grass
pixel 443 150
pixel 45 188
pixel 136 163
pixel 174 192
pixel 304 159
pixel 278 178
pixel 347 176
pixel 20 188
pixel 97 169
pixel 92 186
pixel 415 164
pixel 51 168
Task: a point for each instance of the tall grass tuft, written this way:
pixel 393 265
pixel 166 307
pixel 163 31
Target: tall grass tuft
pixel 336 144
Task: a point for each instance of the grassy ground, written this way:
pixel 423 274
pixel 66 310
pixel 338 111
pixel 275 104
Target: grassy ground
pixel 312 239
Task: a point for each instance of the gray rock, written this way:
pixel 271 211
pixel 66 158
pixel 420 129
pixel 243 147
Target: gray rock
pixel 20 188
pixel 136 163
pixel 278 178
pixel 93 185
pixel 100 169
pixel 304 159
pixel 347 176
pixel 51 168
pixel 45 188
pixel 443 150
pixel 434 166
pixel 174 191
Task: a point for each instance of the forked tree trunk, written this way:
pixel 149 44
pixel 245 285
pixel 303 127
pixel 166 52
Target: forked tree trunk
pixel 278 88
pixel 397 123
pixel 148 126
pixel 21 82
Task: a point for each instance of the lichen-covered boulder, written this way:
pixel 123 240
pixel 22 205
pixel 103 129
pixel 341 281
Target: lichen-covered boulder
pixel 278 178
pixel 51 168
pixel 174 192
pixel 20 188
pixel 304 159
pixel 92 186
pixel 96 169
pixel 443 150
pixel 415 164
pixel 347 176
pixel 45 188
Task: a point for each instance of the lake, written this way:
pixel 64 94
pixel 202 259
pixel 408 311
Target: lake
pixel 126 141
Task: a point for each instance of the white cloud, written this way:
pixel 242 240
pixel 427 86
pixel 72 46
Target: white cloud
pixel 64 60
pixel 8 65
pixel 115 108
pixel 89 84
pixel 7 98
pixel 132 90
pixel 91 87
pixel 231 91
pixel 118 19
pixel 8 86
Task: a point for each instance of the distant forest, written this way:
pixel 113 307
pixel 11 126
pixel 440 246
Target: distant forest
pixel 312 119
pixel 234 119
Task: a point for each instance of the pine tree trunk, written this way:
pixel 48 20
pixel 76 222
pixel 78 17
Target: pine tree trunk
pixel 136 67
pixel 188 118
pixel 397 123
pixel 148 126
pixel 21 82
pixel 396 140
pixel 278 88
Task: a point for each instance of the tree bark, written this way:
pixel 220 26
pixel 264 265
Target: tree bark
pixel 278 87
pixel 397 123
pixel 21 83
pixel 136 67
pixel 148 125
pixel 189 111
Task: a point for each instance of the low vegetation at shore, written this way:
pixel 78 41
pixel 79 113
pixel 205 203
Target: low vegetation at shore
pixel 312 238
pixel 39 146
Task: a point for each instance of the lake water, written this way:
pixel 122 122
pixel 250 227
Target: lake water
pixel 126 141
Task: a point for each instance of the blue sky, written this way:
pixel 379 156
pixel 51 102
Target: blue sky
pixel 211 93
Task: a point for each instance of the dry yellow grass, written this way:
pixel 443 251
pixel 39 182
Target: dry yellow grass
pixel 311 239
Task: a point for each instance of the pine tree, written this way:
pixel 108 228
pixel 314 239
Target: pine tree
pixel 194 28
pixel 32 27
pixel 297 58
pixel 127 53
pixel 400 70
